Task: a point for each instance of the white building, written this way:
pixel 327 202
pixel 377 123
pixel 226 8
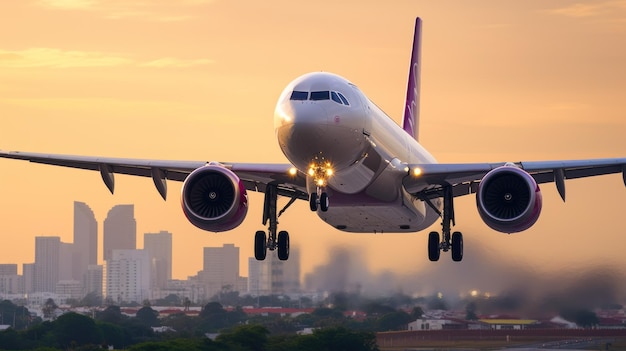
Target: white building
pixel 127 276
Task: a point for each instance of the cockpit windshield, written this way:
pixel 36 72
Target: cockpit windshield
pixel 299 95
pixel 320 95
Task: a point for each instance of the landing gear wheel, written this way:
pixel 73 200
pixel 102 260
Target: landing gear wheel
pixel 457 246
pixel 433 246
pixel 260 245
pixel 324 203
pixel 283 245
pixel 313 202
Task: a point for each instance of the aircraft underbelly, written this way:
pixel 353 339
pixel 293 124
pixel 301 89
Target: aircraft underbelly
pixel 379 218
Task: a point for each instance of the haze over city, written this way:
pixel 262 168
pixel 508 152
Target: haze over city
pixel 198 80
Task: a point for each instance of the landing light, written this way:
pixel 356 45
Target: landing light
pixel 293 171
pixel 417 172
pixel 320 182
pixel 329 172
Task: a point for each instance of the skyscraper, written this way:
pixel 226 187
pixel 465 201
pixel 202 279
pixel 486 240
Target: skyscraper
pixel 273 276
pixel 221 270
pixel 47 252
pixel 85 240
pixel 159 247
pixel 120 230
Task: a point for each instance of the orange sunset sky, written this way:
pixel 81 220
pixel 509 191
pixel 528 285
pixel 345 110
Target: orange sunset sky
pixel 198 80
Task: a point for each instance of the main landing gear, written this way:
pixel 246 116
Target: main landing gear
pixel 272 241
pixel 448 242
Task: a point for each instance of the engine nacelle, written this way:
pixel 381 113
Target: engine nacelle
pixel 509 199
pixel 214 198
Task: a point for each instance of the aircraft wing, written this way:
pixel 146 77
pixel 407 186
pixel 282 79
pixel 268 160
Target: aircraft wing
pixel 255 176
pixel 465 177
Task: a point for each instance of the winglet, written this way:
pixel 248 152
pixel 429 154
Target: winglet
pixel 410 122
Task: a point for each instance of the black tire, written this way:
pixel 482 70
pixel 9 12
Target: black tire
pixel 324 203
pixel 433 247
pixel 283 245
pixel 260 245
pixel 313 202
pixel 457 247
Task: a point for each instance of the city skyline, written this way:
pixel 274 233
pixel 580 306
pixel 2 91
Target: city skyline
pixel 500 82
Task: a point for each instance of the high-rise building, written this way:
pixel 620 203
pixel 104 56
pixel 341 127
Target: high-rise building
pixel 273 276
pixel 10 282
pixel 120 230
pixel 85 240
pixel 47 252
pixel 221 270
pixel 259 277
pixel 66 264
pixel 92 283
pixel 159 247
pixel 28 272
pixel 8 269
pixel 127 276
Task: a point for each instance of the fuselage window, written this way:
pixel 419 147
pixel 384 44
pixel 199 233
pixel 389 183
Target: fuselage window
pixel 320 95
pixel 335 97
pixel 299 95
pixel 343 98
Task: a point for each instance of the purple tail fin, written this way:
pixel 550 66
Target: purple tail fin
pixel 410 122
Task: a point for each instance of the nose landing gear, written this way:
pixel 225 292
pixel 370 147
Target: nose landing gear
pixel 319 199
pixel 320 170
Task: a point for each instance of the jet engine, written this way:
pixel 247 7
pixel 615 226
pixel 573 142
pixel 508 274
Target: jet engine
pixel 214 198
pixel 509 199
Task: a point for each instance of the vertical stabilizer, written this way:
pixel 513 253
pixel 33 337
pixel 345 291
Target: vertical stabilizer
pixel 410 122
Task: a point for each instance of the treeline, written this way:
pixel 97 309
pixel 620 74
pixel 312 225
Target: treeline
pixel 237 331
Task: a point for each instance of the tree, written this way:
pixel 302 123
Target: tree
pixel 336 339
pixel 396 320
pixel 246 337
pixel 92 299
pixel 16 316
pixel 48 308
pixel 148 316
pixel 470 311
pixel 417 313
pixel 111 314
pixel 76 329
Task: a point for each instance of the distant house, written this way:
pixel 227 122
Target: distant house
pixel 437 324
pixel 510 324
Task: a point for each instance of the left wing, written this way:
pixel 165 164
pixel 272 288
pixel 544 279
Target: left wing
pixel 255 176
pixel 465 177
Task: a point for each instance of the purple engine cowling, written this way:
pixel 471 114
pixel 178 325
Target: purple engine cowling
pixel 509 199
pixel 214 198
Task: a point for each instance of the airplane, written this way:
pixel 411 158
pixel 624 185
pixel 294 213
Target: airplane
pixel 359 170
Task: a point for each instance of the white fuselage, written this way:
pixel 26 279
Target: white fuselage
pixel 323 121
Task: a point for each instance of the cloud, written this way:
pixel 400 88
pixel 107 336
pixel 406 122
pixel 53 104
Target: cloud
pixel 57 58
pixel 591 9
pixel 153 10
pixel 173 62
